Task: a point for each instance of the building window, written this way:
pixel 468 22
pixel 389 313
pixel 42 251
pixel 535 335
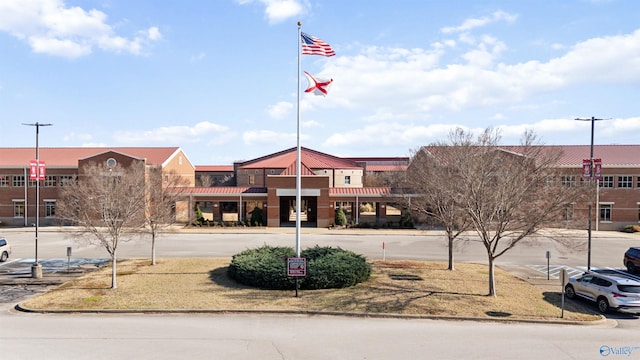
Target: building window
pixel 569 181
pixel 4 180
pixel 625 182
pixel 33 183
pixel 347 180
pixel 18 181
pixel 18 208
pixel 568 212
pixel 50 181
pixel 605 212
pixel 638 183
pixel 252 179
pixel 606 182
pixel 49 208
pixel 66 180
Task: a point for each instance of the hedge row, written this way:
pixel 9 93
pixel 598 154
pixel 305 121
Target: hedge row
pixel 327 267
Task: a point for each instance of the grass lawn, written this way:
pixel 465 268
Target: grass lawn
pixel 395 287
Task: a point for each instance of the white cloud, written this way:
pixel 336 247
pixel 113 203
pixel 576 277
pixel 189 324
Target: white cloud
pixel 394 83
pixel 174 135
pixel 472 23
pixel 280 110
pixel 51 27
pixel 279 10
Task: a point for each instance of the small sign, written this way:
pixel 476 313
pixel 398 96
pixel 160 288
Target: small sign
pixel 37 170
pixel 297 266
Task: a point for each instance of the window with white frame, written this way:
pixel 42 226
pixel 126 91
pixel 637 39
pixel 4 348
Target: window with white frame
pixel 606 182
pixel 347 180
pixel 66 180
pixel 605 212
pixel 4 180
pixel 49 208
pixel 625 182
pixel 18 208
pixel 568 212
pixel 569 180
pixel 18 181
pixel 50 181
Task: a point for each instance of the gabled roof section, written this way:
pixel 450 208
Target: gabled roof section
pixel 68 157
pixel 291 170
pixel 310 158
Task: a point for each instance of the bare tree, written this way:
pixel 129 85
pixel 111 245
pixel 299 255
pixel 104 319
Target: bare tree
pixel 506 193
pixel 436 183
pixel 163 191
pixel 105 203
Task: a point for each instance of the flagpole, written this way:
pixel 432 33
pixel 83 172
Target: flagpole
pixel 298 170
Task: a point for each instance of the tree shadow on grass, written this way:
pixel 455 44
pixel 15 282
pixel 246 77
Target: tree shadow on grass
pixel 220 277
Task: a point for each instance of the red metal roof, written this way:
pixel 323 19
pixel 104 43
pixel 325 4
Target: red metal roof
pixel 310 158
pixel 386 167
pixel 291 170
pixel 360 191
pixel 572 155
pixel 215 168
pixel 68 157
pixel 224 190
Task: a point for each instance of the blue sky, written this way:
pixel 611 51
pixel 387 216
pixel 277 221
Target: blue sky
pixel 219 78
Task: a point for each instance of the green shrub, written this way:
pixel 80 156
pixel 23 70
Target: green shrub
pixel 264 267
pixel 327 267
pixel 333 268
pixel 340 217
pixel 256 216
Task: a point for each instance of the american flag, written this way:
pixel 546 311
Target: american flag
pixel 314 46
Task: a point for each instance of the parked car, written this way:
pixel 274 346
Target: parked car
pixel 632 259
pixel 5 249
pixel 610 290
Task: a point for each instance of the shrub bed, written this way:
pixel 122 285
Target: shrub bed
pixel 327 267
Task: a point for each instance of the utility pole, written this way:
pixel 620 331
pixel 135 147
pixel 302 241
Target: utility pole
pixel 36 268
pixel 591 176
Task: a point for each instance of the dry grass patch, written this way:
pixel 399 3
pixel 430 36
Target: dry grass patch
pixel 400 287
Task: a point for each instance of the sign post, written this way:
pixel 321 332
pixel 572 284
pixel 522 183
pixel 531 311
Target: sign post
pixel 564 279
pixel 297 267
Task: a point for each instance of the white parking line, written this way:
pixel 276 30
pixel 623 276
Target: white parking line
pixel 9 262
pixel 556 270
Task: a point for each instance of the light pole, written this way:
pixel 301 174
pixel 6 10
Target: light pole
pixel 593 120
pixel 36 269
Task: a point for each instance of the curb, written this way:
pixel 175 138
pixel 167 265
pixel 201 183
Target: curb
pixel 602 320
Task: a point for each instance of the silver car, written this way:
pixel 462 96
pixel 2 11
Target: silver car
pixel 609 289
pixel 5 249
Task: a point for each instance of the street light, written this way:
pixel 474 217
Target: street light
pixel 36 269
pixel 593 120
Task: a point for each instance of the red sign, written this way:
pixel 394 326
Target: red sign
pixel 297 266
pixel 37 170
pixel 597 172
pixel 586 169
pixel 597 169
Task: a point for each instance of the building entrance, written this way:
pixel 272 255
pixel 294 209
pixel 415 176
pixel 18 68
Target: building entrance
pixel 308 211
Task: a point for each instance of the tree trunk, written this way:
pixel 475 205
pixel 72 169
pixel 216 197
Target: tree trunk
pixel 113 271
pixel 153 247
pixel 492 279
pixel 451 266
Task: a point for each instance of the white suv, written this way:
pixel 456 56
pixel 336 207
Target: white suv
pixel 5 249
pixel 609 289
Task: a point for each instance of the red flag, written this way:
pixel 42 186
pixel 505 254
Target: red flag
pixel 316 85
pixel 314 46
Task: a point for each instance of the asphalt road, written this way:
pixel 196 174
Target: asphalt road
pixel 103 336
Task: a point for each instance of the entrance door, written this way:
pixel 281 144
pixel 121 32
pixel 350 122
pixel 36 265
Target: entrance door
pixel 308 211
